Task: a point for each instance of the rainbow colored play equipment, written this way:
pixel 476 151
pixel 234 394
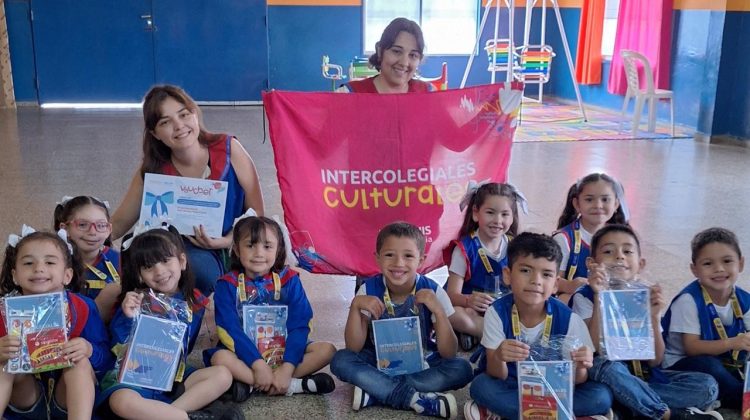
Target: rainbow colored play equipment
pixel 498 55
pixel 535 63
pixel 438 83
pixel 360 68
pixel 332 72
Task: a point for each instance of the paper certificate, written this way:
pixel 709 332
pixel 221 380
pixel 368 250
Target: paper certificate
pixel 40 322
pixel 545 390
pixel 184 203
pixel 398 345
pixel 266 326
pixel 153 355
pixel 626 327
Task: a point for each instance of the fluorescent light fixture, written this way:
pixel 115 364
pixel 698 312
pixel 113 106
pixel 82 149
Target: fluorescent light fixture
pixel 65 105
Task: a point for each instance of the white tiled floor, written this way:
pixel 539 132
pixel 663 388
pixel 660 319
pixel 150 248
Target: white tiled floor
pixel 674 189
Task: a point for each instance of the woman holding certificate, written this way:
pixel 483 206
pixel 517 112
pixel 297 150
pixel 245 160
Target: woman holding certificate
pixel 175 143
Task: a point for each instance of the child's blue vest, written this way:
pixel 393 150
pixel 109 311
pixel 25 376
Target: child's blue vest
pixel 575 259
pixel 560 322
pixel 101 268
pixel 477 278
pixel 708 331
pixel 375 286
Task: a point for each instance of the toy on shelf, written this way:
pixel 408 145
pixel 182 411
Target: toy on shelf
pixel 534 68
pixel 360 68
pixel 332 72
pixel 438 83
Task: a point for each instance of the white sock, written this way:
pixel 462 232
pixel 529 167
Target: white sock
pixel 295 387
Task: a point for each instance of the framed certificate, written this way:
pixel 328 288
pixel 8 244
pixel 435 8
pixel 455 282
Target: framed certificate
pixel 184 203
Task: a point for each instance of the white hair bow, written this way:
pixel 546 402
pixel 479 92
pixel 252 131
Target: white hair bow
pixel 520 198
pixel 63 234
pixel 471 189
pixel 13 239
pixel 26 230
pixel 248 213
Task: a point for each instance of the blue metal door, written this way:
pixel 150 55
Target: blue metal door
pixel 92 50
pixel 215 50
pixel 114 50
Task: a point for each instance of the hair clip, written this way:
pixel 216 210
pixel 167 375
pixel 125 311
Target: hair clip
pixel 520 198
pixel 63 234
pixel 139 229
pixel 471 189
pixel 250 212
pixel 13 239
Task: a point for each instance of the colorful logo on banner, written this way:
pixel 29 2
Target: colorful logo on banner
pixel 349 164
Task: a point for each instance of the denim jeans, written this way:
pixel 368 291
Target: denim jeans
pixel 396 391
pixel 730 384
pixel 500 396
pixel 206 265
pixel 652 399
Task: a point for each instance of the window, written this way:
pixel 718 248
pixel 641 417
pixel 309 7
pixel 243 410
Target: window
pixel 610 27
pixel 449 26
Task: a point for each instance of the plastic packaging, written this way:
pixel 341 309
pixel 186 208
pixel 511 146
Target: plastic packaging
pixel 545 379
pixel 626 330
pixel 154 356
pixel 40 321
pixel 264 324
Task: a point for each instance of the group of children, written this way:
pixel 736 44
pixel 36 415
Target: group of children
pixel 507 290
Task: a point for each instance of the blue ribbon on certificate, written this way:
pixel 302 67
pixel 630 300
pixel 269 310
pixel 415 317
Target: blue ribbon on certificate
pixel 155 200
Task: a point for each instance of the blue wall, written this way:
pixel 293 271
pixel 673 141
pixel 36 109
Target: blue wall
pixel 21 49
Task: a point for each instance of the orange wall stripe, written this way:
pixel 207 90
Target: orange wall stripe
pixel 314 2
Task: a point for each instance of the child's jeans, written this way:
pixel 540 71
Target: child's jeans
pixel 730 384
pixel 651 399
pixel 396 391
pixel 500 396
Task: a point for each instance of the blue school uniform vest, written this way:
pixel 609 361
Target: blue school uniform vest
pixel 708 331
pixel 577 259
pixel 94 282
pixel 375 286
pixel 560 322
pixel 477 278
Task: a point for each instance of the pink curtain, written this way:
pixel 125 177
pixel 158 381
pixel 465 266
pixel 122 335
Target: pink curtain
pixel 644 26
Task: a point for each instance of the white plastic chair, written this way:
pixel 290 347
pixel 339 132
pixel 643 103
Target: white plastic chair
pixel 631 61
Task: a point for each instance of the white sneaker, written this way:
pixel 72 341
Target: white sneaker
pixel 473 411
pixel 361 399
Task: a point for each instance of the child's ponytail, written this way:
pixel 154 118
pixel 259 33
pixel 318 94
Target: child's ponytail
pixel 6 275
pixel 569 213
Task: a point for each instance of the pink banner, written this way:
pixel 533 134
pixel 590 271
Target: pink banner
pixel 348 164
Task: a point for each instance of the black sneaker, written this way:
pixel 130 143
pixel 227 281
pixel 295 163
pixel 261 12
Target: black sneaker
pixel 323 383
pixel 692 413
pixel 467 341
pixel 217 411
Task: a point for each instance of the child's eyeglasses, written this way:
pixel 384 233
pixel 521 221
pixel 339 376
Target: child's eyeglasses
pixel 85 225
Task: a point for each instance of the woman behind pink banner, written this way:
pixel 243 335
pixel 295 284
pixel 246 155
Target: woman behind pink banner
pixel 175 143
pixel 397 56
